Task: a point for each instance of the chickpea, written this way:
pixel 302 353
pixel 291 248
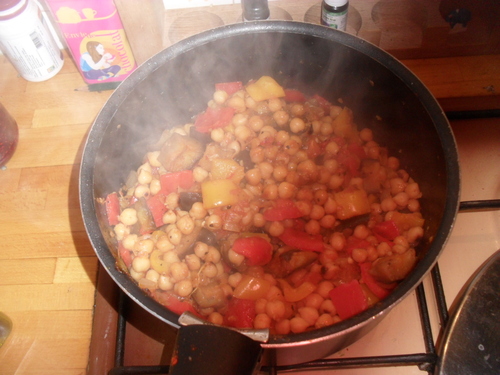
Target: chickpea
pixel 414 234
pixel 328 307
pixel 185 224
pixel 266 170
pixel 393 163
pixel 164 283
pixel 193 262
pixel 212 255
pixel 309 314
pixel 281 137
pixel 175 236
pixel 129 241
pixel 388 204
pixel 253 176
pixel 323 289
pixel 413 205
pixel 172 201
pixel 335 111
pixel 282 327
pixel 286 190
pixel 401 199
pixel 238 103
pixel 280 172
pixel 216 318
pixel 137 276
pixel 260 306
pixel 327 221
pixel 220 96
pixel 332 148
pixel 298 324
pixel 169 217
pixel 313 227
pixel 200 249
pixel 336 181
pixel 291 147
pixel 179 271
pixel 326 129
pixel 297 110
pixel 255 123
pixel 128 216
pixel 261 321
pixel 141 191
pixel 213 222
pixel 258 220
pixel 383 249
pixel 413 190
pixel 366 134
pixel 141 264
pixel 281 118
pixel 276 229
pixel 217 135
pixel 317 212
pixel 152 275
pixel 163 244
pixel 197 211
pixel 145 245
pixel 199 174
pixel 242 133
pixel 275 309
pixel 210 270
pixel 297 125
pixel 361 231
pixel 183 288
pixel 274 104
pixel 314 300
pixel 324 320
pixel 270 192
pixel 234 279
pixel 359 255
pixel 337 241
pixel 305 207
pixel 235 258
pixel 145 176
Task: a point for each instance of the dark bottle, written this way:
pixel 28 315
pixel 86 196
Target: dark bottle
pixel 334 14
pixel 255 10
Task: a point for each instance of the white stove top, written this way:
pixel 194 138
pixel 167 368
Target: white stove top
pixel 475 237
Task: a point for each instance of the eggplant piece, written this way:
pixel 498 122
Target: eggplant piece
pixel 187 241
pixel 211 295
pixel 188 198
pixel 203 138
pixel 145 221
pixel 208 237
pixel 180 152
pixel 243 157
pixel 284 264
pixel 394 267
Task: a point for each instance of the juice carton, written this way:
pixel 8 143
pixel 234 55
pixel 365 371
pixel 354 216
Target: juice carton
pixel 95 37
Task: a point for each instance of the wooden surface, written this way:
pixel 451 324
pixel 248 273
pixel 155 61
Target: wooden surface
pixel 48 268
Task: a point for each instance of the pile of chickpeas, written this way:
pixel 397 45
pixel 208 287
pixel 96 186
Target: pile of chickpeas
pixel 290 151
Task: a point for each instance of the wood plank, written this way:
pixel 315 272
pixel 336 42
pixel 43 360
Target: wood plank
pixel 34 297
pixel 49 146
pixel 27 271
pixel 43 221
pixel 23 200
pixel 9 179
pixel 45 245
pixel 76 270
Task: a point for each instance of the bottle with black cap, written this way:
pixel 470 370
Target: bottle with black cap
pixel 334 13
pixel 255 10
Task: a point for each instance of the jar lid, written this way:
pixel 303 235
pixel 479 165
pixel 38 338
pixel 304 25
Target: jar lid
pixel 336 3
pixel 254 10
pixel 11 8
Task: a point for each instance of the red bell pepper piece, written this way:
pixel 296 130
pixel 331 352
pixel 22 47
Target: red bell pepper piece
pixel 348 299
pixel 388 230
pixel 157 208
pixel 257 250
pixel 240 313
pixel 325 104
pixel 229 87
pixel 283 209
pixel 355 243
pixel 214 118
pixel 372 284
pixel 302 240
pixel 171 182
pixel 112 208
pixel 173 303
pixel 350 161
pixel 125 255
pixel 294 96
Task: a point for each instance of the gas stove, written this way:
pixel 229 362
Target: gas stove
pixel 126 339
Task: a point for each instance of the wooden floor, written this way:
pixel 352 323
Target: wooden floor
pixel 48 268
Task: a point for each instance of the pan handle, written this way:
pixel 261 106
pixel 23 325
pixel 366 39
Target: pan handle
pixel 214 350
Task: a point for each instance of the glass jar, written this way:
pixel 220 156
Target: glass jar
pixel 9 134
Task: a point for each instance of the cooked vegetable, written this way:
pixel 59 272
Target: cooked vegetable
pixel 274 212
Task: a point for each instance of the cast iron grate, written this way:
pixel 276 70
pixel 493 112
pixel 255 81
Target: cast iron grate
pixel 426 361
